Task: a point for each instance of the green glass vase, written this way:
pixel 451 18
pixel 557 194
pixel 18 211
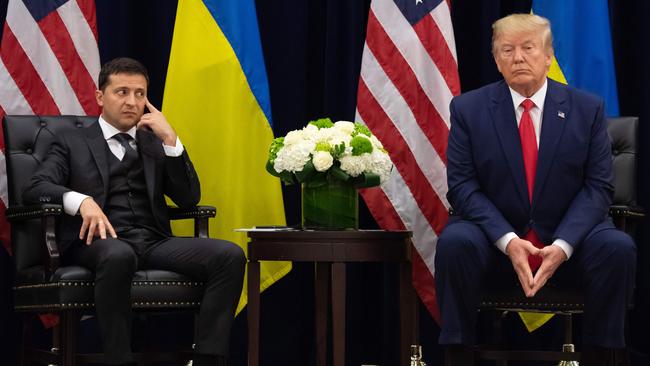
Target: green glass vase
pixel 333 206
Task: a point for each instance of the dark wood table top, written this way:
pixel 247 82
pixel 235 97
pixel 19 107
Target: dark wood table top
pixel 330 246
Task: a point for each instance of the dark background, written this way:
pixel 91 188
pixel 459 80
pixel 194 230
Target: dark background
pixel 312 50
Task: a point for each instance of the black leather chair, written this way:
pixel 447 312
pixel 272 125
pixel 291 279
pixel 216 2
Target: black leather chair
pixel 562 301
pixel 43 285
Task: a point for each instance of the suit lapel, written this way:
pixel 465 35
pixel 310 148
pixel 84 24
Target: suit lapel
pixel 97 145
pixel 503 117
pixel 147 154
pixel 556 115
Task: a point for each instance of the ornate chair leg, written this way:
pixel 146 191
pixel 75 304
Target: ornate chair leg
pixel 68 322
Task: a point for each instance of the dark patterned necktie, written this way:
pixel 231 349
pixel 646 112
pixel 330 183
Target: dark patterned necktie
pixel 129 152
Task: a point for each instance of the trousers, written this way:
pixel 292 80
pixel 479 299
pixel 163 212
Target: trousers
pixel 603 266
pixel 218 263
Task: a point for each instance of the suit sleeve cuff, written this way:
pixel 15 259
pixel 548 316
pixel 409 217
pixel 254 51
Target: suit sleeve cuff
pixel 502 242
pixel 174 151
pixel 566 247
pixel 71 202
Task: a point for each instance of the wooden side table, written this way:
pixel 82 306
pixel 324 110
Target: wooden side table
pixel 330 251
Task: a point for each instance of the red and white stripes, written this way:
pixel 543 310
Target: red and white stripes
pixel 408 77
pixel 47 66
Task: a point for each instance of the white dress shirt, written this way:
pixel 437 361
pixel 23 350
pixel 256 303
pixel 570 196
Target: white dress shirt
pixel 72 200
pixel 536 113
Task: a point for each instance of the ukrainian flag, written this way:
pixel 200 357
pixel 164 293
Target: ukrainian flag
pixel 583 46
pixel 217 99
pixel 583 58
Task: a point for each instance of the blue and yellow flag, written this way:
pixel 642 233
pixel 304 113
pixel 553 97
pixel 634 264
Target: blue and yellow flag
pixel 217 99
pixel 583 47
pixel 583 58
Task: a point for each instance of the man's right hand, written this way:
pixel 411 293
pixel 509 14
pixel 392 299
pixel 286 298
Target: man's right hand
pixel 94 221
pixel 518 251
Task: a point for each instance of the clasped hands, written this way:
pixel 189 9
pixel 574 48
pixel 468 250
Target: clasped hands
pixel 518 251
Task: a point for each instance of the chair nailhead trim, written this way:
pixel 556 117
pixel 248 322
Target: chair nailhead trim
pixel 88 283
pixel 78 305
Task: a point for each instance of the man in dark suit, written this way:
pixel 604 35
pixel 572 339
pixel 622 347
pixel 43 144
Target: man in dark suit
pixel 530 176
pixel 111 179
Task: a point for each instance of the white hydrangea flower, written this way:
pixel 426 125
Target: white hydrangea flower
pixel 293 157
pixel 344 127
pixel 354 165
pixel 293 138
pixel 381 165
pixel 299 148
pixel 322 160
pixel 375 142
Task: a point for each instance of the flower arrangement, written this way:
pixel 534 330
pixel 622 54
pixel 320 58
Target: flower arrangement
pixel 324 151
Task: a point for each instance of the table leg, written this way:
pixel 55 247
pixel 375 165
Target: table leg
pixel 322 280
pixel 408 313
pixel 253 313
pixel 338 313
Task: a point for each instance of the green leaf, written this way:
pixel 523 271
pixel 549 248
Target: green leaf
pixel 307 171
pixel 286 177
pixel 335 172
pixel 366 180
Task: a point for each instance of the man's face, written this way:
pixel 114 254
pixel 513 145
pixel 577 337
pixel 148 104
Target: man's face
pixel 123 100
pixel 523 61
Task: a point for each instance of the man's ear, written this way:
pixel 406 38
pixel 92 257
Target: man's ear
pixel 99 96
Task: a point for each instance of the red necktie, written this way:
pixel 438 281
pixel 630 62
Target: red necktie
pixel 529 152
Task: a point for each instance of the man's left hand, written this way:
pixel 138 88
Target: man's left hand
pixel 156 122
pixel 552 257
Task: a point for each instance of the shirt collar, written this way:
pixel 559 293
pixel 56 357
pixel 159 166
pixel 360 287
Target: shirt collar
pixel 538 98
pixel 109 130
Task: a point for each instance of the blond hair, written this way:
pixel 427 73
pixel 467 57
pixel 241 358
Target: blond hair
pixel 523 23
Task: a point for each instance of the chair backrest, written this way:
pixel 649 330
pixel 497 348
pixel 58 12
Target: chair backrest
pixel 623 133
pixel 27 142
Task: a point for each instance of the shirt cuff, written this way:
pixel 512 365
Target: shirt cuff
pixel 174 151
pixel 566 247
pixel 71 202
pixel 502 242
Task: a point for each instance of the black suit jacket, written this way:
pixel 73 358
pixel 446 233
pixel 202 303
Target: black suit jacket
pixel 78 161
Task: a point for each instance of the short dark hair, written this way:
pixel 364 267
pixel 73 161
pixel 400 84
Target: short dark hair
pixel 121 65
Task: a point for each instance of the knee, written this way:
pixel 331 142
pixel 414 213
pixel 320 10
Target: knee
pixel 622 250
pixel 232 255
pixel 455 242
pixel 119 263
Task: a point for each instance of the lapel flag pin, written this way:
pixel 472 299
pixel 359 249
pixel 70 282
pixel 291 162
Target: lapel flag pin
pixel 560 114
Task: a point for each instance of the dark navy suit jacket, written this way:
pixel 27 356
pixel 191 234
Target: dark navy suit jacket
pixel 485 171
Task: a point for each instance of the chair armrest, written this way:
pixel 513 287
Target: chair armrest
pixel 176 213
pixel 626 211
pixel 48 213
pixel 626 217
pixel 200 214
pixel 21 213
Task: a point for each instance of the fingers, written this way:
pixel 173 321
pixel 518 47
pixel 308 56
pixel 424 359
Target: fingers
pixel 111 230
pixel 541 277
pixel 99 227
pixel 525 276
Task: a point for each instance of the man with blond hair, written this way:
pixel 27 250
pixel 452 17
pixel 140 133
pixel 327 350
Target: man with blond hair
pixel 530 184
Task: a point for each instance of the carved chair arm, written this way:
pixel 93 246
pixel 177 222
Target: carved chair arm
pixel 200 214
pixel 48 213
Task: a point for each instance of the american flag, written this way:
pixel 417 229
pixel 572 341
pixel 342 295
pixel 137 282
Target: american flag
pixel 49 63
pixel 409 74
